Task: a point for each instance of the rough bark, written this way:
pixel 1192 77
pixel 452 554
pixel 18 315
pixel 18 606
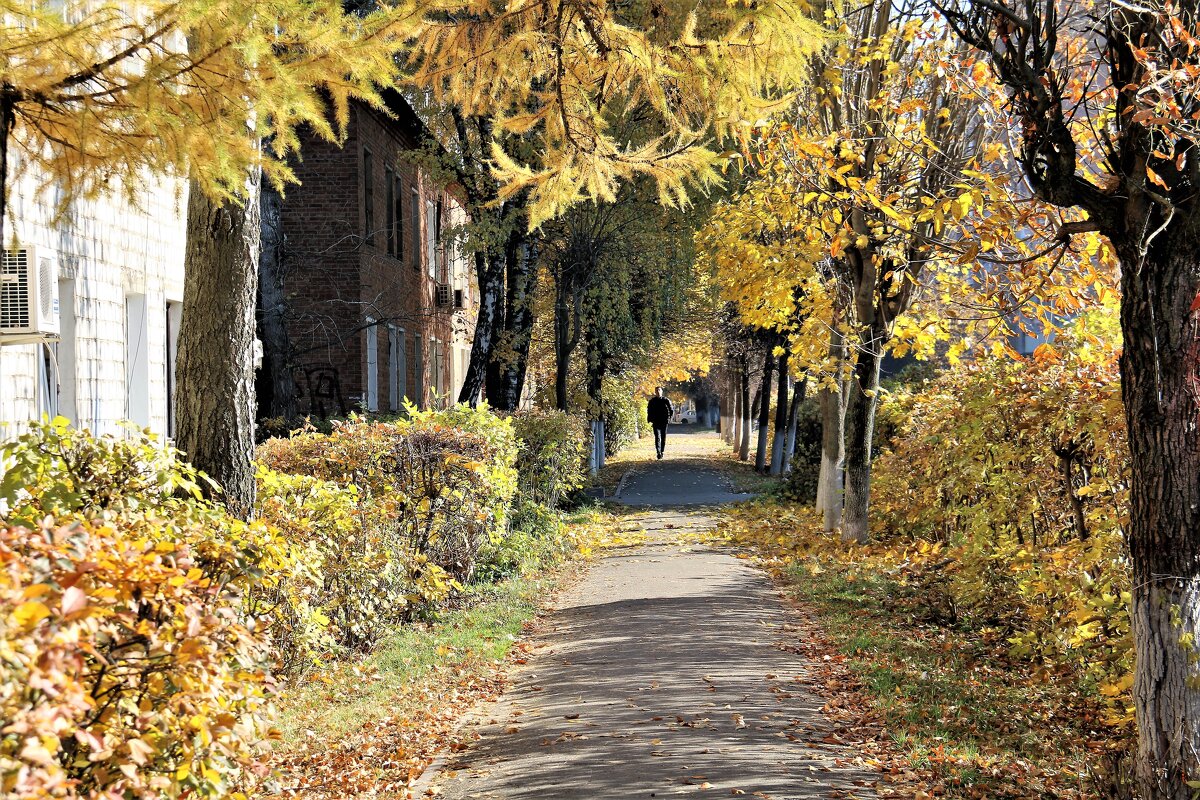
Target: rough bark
pixel 280 387
pixel 1160 383
pixel 743 445
pixel 781 417
pixel 764 410
pixel 860 429
pixel 215 363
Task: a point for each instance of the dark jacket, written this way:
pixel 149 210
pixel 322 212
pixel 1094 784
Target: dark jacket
pixel 659 410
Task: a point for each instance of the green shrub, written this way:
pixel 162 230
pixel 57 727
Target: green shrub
pixel 551 456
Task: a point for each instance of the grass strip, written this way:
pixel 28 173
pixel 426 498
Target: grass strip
pixel 957 715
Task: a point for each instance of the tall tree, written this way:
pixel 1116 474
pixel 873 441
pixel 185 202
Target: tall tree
pixel 536 99
pixel 1118 80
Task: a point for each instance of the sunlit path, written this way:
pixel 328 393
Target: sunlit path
pixel 663 673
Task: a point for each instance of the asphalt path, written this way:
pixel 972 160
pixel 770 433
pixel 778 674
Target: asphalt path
pixel 664 672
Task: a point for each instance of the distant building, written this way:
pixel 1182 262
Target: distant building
pixel 369 301
pixel 374 297
pixel 90 302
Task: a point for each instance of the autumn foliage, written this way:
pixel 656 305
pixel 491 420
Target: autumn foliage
pixel 141 625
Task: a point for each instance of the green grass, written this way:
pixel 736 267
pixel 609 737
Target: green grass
pixel 949 699
pixel 410 664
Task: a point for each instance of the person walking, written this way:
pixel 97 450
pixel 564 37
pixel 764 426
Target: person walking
pixel 658 414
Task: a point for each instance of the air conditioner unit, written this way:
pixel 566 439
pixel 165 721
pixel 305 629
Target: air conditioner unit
pixel 28 294
pixel 443 296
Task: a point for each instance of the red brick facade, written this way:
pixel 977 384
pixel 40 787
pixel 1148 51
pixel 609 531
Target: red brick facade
pixel 365 325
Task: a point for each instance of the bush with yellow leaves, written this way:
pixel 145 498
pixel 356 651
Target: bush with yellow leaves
pixel 125 669
pixel 420 498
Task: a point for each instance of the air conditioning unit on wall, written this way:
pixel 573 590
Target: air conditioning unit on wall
pixel 28 295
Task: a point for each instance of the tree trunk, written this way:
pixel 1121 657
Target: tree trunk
pixel 215 363
pixel 7 121
pixel 731 404
pixel 833 408
pixel 789 449
pixel 781 417
pixel 735 427
pixel 764 410
pixel 860 429
pixel 518 322
pixel 489 273
pixel 272 310
pixel 562 341
pixel 1160 385
pixel 744 414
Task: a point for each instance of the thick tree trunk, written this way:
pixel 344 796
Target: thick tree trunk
pixel 743 445
pixel 764 410
pixel 860 430
pixel 833 418
pixel 1160 384
pixel 272 313
pixel 215 363
pixel 489 273
pixel 789 449
pixel 781 418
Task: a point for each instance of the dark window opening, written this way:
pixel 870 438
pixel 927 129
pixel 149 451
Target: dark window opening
pixel 368 198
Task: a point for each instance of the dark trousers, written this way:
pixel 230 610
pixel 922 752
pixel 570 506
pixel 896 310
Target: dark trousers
pixel 660 438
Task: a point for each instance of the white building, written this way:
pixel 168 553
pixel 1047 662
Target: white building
pixel 117 269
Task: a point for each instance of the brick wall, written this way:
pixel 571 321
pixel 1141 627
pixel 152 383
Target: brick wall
pixel 343 271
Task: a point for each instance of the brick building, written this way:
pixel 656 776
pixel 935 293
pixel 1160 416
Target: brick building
pixel 369 290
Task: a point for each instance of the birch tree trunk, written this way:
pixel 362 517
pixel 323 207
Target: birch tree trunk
pixel 798 393
pixel 215 364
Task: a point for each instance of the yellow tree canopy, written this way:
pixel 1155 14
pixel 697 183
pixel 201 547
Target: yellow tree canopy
pixel 883 167
pixel 92 92
pixel 572 71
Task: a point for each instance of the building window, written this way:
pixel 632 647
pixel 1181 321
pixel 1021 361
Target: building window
pixel 389 209
pixel 137 361
pixel 439 370
pixel 431 238
pixel 68 386
pixel 368 198
pixel 397 366
pixel 418 372
pixel 414 211
pixel 372 399
pixel 397 213
pixel 174 317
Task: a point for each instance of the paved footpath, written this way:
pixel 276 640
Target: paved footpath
pixel 660 674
